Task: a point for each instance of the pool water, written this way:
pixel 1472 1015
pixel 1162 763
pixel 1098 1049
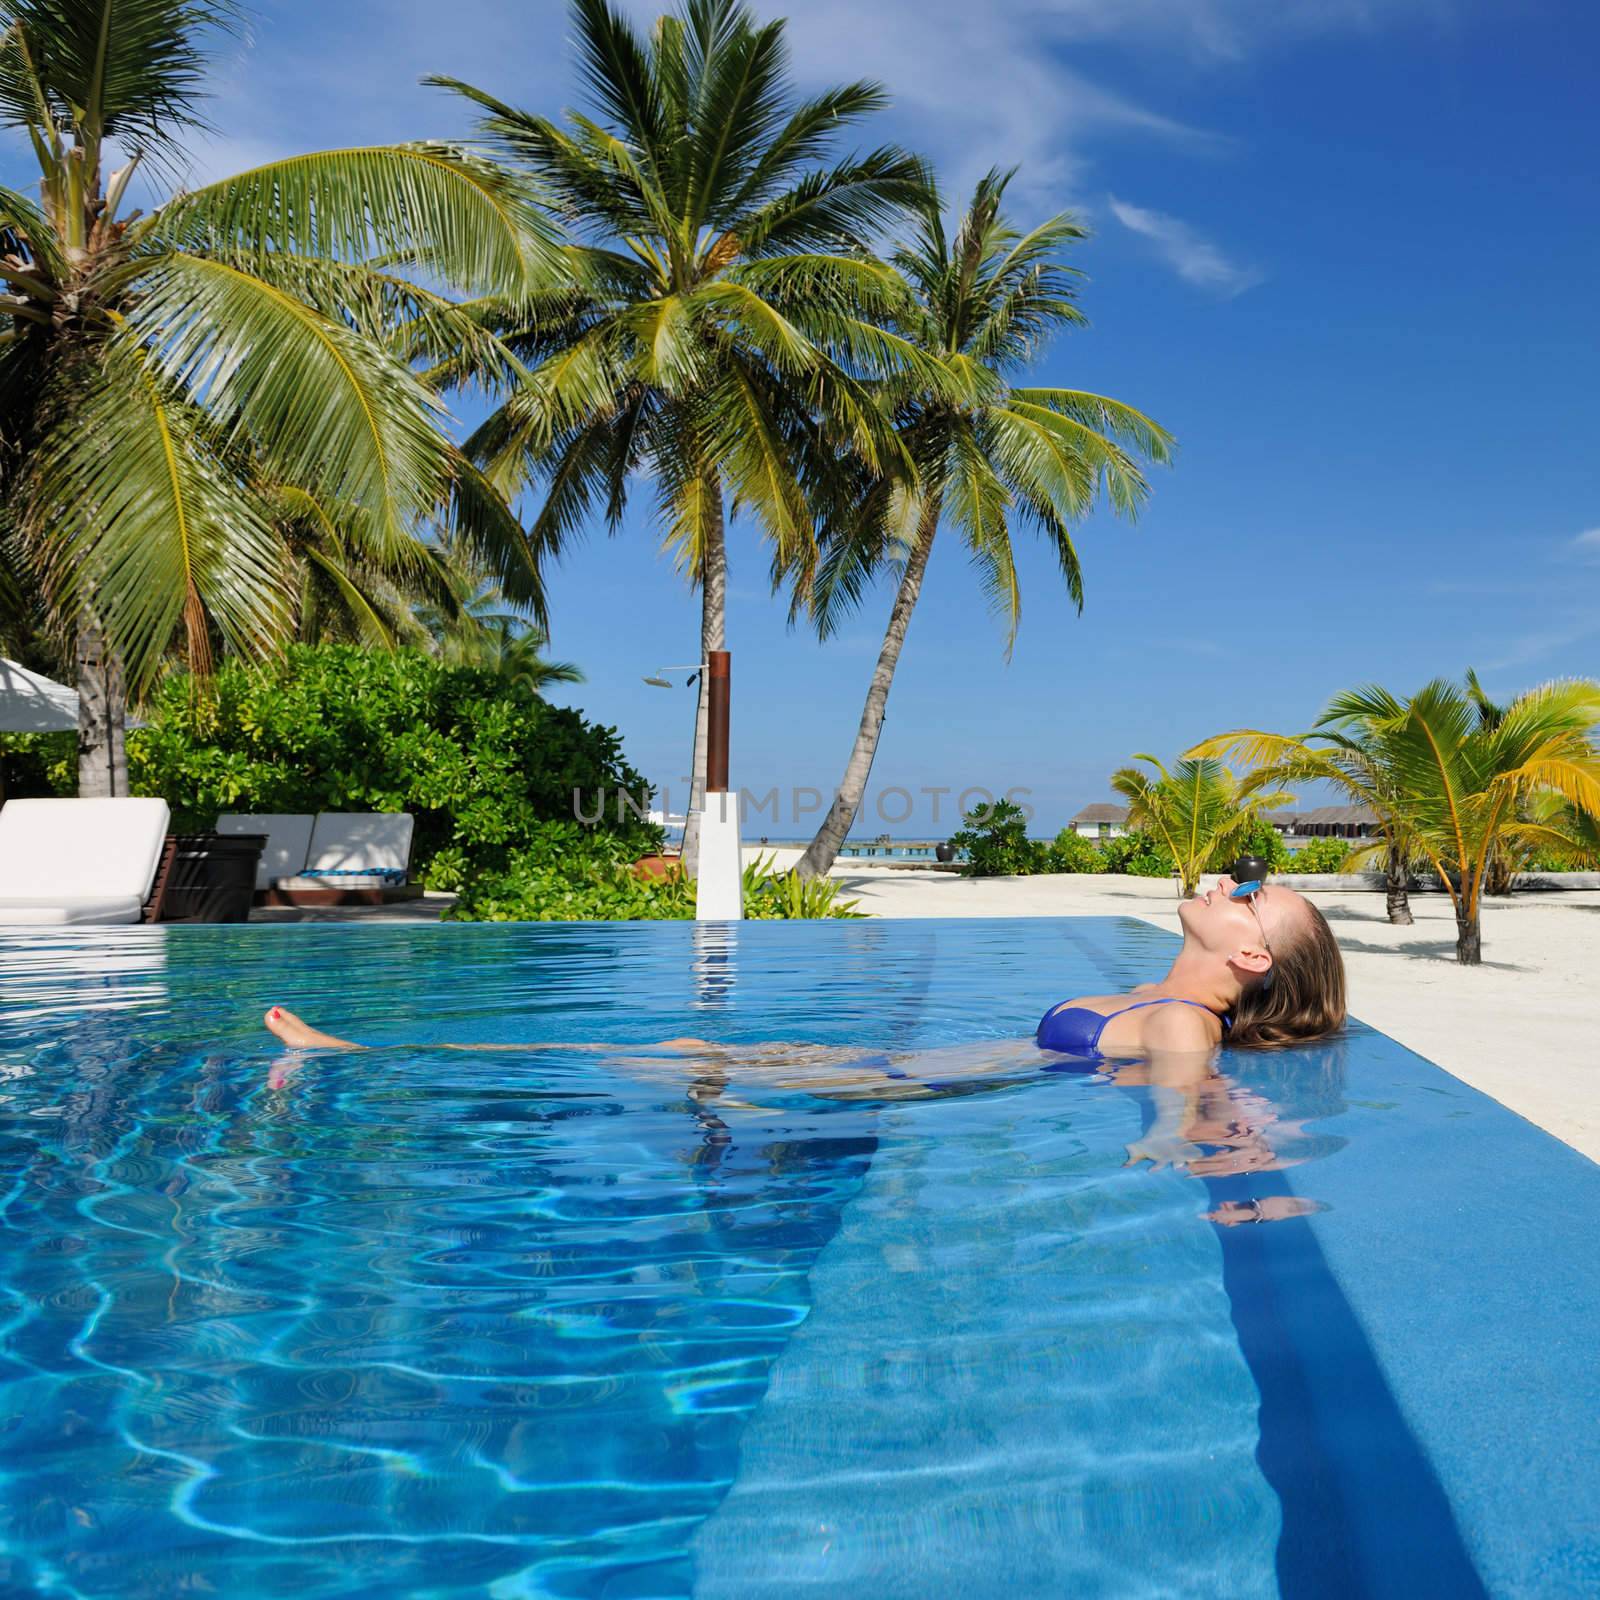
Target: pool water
pixel 422 1321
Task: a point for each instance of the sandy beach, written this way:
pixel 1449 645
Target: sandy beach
pixel 1524 1027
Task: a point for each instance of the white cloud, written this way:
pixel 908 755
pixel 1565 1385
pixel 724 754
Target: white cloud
pixel 1195 258
pixel 973 86
pixel 1587 544
pixel 1550 638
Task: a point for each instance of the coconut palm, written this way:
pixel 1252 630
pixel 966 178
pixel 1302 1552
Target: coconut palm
pixel 180 391
pixel 1464 779
pixel 1350 750
pixel 987 453
pixel 477 627
pixel 1199 811
pixel 726 307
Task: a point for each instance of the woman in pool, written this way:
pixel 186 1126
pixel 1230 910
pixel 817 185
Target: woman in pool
pixel 1259 969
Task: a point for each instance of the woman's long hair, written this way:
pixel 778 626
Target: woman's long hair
pixel 1302 997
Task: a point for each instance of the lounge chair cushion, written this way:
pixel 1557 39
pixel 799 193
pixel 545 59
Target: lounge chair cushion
pixel 366 842
pixel 342 880
pixel 64 853
pixel 288 841
pixel 107 908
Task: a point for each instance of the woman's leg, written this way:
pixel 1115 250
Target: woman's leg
pixel 302 1036
pixel 298 1036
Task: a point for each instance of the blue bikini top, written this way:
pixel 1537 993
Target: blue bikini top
pixel 1076 1030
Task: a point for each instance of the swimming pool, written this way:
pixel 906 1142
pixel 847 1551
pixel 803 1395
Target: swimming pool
pixel 436 1323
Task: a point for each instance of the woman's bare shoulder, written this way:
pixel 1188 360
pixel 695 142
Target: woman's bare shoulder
pixel 1179 1028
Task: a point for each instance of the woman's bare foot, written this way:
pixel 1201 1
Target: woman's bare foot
pixel 294 1033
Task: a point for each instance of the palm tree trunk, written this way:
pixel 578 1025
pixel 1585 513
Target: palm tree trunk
pixel 1397 879
pixel 102 715
pixel 1469 922
pixel 713 636
pixel 824 848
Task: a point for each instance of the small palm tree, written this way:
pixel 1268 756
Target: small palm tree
pixel 1199 811
pixel 724 293
pixel 1465 779
pixel 477 628
pixel 984 453
pixel 183 394
pixel 1349 749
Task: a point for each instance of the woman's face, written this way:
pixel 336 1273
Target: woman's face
pixel 1240 931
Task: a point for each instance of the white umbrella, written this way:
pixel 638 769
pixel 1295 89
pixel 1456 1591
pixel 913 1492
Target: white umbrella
pixel 31 704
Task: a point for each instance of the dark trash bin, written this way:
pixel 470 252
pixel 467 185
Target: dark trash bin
pixel 945 852
pixel 213 877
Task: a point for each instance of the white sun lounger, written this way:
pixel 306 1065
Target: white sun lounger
pixel 355 856
pixel 79 861
pixel 288 841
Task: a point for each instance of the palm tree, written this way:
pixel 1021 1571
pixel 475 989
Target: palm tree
pixel 1200 811
pixel 1451 784
pixel 1349 749
pixel 181 391
pixel 985 452
pixel 1465 778
pixel 726 303
pixel 1570 834
pixel 476 627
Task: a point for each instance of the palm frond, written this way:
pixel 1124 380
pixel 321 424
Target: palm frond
pixel 324 408
pixel 427 206
pixel 139 519
pixel 130 70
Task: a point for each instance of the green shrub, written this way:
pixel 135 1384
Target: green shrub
pixel 1071 852
pixel 1137 855
pixel 38 765
pixel 1320 855
pixel 568 875
pixel 996 841
pixel 1259 839
pixel 481 763
pixel 769 895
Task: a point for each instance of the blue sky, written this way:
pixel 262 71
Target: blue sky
pixel 1346 250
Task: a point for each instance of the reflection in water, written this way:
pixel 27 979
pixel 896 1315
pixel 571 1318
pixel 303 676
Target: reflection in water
pixel 418 1320
pixel 715 944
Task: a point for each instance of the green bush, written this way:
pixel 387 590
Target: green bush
pixel 481 763
pixel 996 841
pixel 1259 839
pixel 38 765
pixel 1071 852
pixel 1320 855
pixel 770 895
pixel 567 875
pixel 1137 855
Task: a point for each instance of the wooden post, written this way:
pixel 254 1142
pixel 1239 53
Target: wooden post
pixel 717 687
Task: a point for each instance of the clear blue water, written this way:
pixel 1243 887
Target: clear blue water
pixel 429 1322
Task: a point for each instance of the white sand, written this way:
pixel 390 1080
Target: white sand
pixel 1523 1027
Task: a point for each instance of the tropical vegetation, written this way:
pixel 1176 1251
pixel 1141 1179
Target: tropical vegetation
pixel 1349 749
pixel 568 874
pixel 1460 784
pixel 724 312
pixel 209 421
pixel 1198 811
pixel 487 768
pixel 978 449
